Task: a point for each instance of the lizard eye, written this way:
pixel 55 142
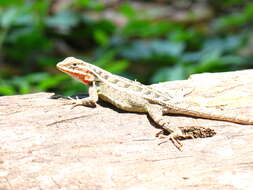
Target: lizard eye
pixel 74 64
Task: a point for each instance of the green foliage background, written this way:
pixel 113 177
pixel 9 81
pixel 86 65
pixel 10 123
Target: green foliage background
pixel 122 38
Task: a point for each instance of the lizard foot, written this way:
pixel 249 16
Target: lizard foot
pixel 187 133
pixel 175 138
pixel 80 102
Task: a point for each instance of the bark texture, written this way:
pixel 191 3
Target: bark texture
pixel 47 145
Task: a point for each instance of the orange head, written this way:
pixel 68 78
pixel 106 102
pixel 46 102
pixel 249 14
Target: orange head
pixel 78 69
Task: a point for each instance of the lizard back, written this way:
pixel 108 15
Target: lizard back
pixel 88 73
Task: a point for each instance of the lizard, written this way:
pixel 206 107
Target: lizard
pixel 133 96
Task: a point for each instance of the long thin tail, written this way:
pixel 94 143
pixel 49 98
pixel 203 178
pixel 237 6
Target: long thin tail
pixel 208 113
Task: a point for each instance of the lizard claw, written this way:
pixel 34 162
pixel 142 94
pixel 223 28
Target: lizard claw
pixel 73 101
pixel 79 102
pixel 175 138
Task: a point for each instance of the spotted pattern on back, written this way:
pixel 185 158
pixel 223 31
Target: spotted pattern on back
pixel 88 73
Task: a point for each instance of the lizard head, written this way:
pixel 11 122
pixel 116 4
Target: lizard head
pixel 78 69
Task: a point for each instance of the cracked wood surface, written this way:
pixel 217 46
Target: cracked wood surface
pixel 47 145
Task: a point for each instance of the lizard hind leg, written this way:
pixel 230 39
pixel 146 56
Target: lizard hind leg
pixel 156 113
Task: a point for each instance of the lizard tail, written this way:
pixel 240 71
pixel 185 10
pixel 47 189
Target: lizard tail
pixel 208 113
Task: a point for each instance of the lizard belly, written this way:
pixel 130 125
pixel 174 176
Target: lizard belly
pixel 123 100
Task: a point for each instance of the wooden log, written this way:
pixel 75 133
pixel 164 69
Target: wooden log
pixel 47 145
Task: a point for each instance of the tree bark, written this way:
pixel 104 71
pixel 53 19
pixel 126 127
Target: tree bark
pixel 47 145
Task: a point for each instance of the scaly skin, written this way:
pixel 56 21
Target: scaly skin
pixel 133 96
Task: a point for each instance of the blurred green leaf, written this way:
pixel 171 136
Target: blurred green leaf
pixel 177 72
pixel 192 56
pixel 105 58
pixel 51 82
pixel 37 77
pixel 147 49
pixel 91 4
pixel 229 43
pixel 117 66
pixel 22 85
pixel 63 21
pixel 4 3
pixel 235 19
pixel 101 37
pixel 127 10
pixel 8 17
pixel 145 28
pixel 6 89
pixel 160 47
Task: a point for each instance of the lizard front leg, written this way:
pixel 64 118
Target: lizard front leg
pixel 156 113
pixel 91 100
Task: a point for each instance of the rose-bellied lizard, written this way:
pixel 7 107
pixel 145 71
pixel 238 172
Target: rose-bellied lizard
pixel 133 96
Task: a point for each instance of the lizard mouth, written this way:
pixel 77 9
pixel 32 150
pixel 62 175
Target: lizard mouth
pixel 84 76
pixel 59 67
